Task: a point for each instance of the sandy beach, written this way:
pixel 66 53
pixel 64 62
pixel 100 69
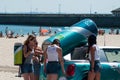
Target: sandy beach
pixel 9 71
pixel 7 68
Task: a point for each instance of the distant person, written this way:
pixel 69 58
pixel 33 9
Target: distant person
pixel 1 34
pixel 17 35
pixel 53 54
pixel 37 61
pixel 33 33
pixel 9 34
pixel 22 35
pixel 28 52
pixel 94 58
pixel 28 34
pixel 50 30
pixel 6 31
pixel 55 32
pixel 40 31
pixel 117 31
pixel 111 31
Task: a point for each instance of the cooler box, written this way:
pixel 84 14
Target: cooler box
pixel 18 53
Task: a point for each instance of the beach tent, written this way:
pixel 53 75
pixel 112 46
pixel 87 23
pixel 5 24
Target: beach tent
pixel 44 31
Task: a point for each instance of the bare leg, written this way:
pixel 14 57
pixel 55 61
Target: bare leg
pixel 91 75
pixel 88 76
pixel 97 76
pixel 48 77
pixel 31 76
pixel 26 76
pixel 36 77
pixel 52 77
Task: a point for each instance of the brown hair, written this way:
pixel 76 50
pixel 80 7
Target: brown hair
pixel 56 41
pixel 30 38
pixel 91 41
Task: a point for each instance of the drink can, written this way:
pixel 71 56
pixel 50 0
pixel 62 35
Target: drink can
pixel 75 36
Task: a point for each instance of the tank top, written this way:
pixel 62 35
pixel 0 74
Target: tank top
pixel 52 53
pixel 28 60
pixel 97 53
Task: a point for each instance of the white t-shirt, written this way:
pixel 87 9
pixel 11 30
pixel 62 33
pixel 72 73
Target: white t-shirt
pixel 52 53
pixel 97 53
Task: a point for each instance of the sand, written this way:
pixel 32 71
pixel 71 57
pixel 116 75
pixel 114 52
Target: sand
pixel 108 40
pixel 7 69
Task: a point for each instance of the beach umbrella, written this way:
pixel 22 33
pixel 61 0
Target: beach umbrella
pixel 44 31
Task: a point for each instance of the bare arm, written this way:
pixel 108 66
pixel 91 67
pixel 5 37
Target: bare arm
pixel 59 50
pixel 38 54
pixel 45 59
pixel 39 50
pixel 25 53
pixel 92 51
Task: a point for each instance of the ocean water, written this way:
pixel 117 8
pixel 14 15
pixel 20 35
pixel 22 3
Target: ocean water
pixel 20 29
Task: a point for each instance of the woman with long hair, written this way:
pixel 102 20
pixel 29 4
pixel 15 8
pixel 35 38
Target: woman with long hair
pixel 94 58
pixel 28 52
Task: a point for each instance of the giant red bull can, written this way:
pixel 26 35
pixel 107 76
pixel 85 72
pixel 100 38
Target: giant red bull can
pixel 76 36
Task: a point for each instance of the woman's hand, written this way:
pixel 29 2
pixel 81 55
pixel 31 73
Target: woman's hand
pixel 64 72
pixel 35 59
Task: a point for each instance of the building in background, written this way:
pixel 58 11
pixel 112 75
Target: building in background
pixel 116 12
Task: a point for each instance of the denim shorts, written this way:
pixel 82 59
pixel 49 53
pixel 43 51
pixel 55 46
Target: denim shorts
pixel 53 67
pixel 36 69
pixel 97 66
pixel 26 68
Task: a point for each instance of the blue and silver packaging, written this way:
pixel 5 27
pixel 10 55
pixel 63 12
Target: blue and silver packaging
pixel 76 36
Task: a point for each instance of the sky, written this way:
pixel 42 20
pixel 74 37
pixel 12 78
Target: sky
pixel 59 6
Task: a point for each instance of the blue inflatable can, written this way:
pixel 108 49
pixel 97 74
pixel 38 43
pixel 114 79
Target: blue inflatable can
pixel 76 36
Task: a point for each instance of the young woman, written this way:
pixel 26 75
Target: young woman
pixel 95 67
pixel 36 61
pixel 53 55
pixel 28 51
